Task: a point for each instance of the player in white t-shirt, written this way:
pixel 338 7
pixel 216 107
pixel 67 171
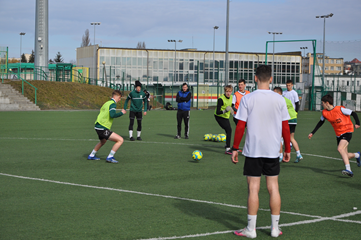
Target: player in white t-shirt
pixel 292 95
pixel 266 115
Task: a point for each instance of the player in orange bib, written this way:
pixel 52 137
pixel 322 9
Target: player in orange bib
pixel 339 117
pixel 238 96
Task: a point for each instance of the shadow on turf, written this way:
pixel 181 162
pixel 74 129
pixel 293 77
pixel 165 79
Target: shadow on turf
pixel 230 219
pixel 316 170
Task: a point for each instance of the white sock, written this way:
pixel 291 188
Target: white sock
pixel 348 167
pixel 357 155
pixel 275 219
pixel 252 219
pixel 111 154
pixel 138 133
pixel 130 133
pixel 298 153
pixel 93 153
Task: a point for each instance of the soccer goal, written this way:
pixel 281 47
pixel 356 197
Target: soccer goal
pixel 312 95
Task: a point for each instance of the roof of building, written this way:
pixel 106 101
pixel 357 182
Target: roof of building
pixel 355 60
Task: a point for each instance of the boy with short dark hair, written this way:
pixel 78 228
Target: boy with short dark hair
pixel 104 123
pixel 339 117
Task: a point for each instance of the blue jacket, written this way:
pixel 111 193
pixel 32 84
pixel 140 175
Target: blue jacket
pixel 184 100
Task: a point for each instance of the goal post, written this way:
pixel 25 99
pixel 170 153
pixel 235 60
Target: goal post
pixel 313 67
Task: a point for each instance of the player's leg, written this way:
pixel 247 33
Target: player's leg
pixel 274 203
pixel 131 124
pixel 186 116
pixel 118 142
pixel 228 130
pixel 179 124
pixel 139 125
pixel 342 149
pixel 102 135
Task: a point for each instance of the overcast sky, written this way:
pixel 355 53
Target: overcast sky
pixel 124 23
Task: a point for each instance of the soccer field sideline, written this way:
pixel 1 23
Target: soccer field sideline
pixel 317 218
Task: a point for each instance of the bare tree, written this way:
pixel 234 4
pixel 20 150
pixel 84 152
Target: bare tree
pixel 141 45
pixel 85 39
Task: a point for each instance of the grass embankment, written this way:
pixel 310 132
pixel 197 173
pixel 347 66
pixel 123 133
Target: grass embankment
pixel 65 95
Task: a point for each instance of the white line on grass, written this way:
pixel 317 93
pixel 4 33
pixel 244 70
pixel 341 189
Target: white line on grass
pixel 318 218
pixel 172 143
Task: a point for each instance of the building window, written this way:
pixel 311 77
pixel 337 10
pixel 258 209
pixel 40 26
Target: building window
pixel 332 68
pixel 332 61
pixel 339 68
pixel 338 61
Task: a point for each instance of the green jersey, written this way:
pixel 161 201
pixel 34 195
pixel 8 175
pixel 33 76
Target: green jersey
pixel 137 100
pixel 106 115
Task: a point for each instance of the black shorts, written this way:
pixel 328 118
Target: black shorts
pixel 345 136
pixel 292 127
pixel 255 167
pixel 103 134
pixel 133 115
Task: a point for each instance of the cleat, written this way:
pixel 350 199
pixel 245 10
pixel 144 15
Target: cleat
pixel 139 139
pixel 93 158
pixel 347 172
pixel 131 139
pixel 186 137
pixel 276 232
pixel 177 137
pixel 111 160
pixel 246 233
pixel 228 152
pixel 358 160
pixel 298 158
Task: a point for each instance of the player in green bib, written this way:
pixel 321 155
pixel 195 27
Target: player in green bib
pixel 292 124
pixel 104 123
pixel 223 112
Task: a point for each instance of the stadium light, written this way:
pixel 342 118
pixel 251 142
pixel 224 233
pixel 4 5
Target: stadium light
pixel 324 33
pixel 21 34
pixel 304 49
pixel 273 55
pixel 214 40
pixel 94 23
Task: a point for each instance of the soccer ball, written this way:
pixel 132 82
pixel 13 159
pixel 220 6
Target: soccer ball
pixel 207 137
pixel 219 138
pixel 197 155
pixel 214 138
pixel 223 137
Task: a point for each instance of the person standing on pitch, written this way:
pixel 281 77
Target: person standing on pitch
pixel 183 99
pixel 104 123
pixel 339 117
pixel 222 113
pixel 147 94
pixel 266 115
pixel 137 98
pixel 292 95
pixel 238 96
pixel 292 124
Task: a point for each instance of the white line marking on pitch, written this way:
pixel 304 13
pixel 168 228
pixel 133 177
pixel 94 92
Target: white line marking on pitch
pixel 318 218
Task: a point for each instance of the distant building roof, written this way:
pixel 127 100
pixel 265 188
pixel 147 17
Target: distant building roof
pixel 355 60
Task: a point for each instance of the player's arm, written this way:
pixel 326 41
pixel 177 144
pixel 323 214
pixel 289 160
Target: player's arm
pixel 126 101
pixel 219 105
pixel 187 98
pixel 319 124
pixel 234 99
pixel 145 100
pixel 297 106
pixel 112 111
pixel 287 140
pixel 357 120
pixel 177 99
pixel 238 135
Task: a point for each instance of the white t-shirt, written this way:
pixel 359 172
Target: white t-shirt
pixel 291 95
pixel 264 111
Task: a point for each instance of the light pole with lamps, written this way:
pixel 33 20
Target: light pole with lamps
pixel 273 55
pixel 304 49
pixel 214 40
pixel 175 61
pixel 21 34
pixel 94 23
pixel 324 33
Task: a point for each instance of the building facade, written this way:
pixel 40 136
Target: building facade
pixel 168 67
pixel 333 66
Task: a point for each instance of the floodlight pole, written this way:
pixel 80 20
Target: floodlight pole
pixel 214 40
pixel 324 43
pixel 227 40
pixel 273 55
pixel 94 23
pixel 175 61
pixel 21 34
